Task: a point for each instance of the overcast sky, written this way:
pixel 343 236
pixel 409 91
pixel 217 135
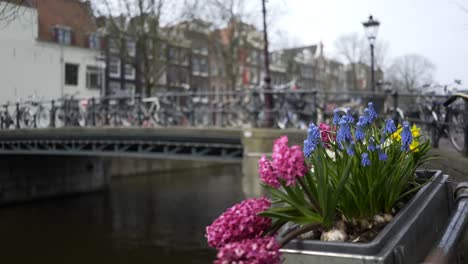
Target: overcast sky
pixel 437 29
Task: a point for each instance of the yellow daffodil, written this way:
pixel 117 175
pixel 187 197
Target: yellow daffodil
pixel 415 132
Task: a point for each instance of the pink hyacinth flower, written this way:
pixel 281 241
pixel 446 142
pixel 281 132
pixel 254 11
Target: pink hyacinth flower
pixel 288 162
pixel 267 174
pixel 263 250
pixel 326 133
pixel 239 222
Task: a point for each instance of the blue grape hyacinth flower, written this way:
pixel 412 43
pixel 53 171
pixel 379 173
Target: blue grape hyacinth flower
pixel 359 135
pixel 390 126
pixel 372 113
pixel 336 117
pixel 382 155
pixel 406 136
pixel 350 149
pixel 365 161
pixel 312 140
pixel 371 146
pixel 348 117
pixel 344 132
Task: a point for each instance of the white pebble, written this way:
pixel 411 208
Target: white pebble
pixel 334 235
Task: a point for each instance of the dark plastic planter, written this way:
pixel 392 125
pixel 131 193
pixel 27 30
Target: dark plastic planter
pixel 407 239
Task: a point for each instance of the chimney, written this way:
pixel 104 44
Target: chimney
pixel 321 49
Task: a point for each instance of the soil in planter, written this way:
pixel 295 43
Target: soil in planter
pixel 360 231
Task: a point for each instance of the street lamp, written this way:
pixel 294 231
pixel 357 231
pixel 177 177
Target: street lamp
pixel 371 27
pixel 268 122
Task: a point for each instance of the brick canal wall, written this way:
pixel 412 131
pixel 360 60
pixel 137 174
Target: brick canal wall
pixel 33 177
pixel 26 178
pixel 123 166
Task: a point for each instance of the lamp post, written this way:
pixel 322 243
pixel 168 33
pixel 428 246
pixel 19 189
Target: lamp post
pixel 371 27
pixel 268 121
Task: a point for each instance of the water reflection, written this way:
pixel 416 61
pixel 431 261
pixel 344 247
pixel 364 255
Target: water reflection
pixel 154 218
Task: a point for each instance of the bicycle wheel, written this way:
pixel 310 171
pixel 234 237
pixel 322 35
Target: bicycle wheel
pixel 456 132
pixel 42 118
pixel 60 117
pixel 282 119
pixel 26 119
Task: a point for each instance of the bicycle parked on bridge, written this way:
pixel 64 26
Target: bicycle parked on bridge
pixel 146 112
pixel 70 112
pixel 441 122
pixel 457 131
pixel 26 114
pixel 7 120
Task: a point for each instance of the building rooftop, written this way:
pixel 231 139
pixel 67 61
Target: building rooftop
pixel 72 14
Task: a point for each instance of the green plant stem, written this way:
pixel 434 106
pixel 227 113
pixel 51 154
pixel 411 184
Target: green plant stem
pixel 294 233
pixel 313 201
pixel 275 228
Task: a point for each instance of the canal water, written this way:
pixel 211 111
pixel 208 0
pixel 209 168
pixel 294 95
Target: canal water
pixel 150 218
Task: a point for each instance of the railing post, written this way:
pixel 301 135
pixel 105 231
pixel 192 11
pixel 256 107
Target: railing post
pixel 314 101
pixel 446 250
pixel 93 111
pixel 465 124
pixel 222 111
pixel 139 112
pixel 395 106
pixel 35 121
pixel 3 116
pixel 17 116
pixel 52 114
pixel 255 98
pixel 106 111
pixel 191 109
pixel 434 134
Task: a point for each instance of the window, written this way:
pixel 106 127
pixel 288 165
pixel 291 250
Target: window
pixel 71 74
pixel 93 77
pixel 200 48
pixel 214 69
pixel 62 35
pixel 162 51
pixel 195 66
pixel 253 76
pixel 253 57
pixel 182 75
pixel 129 89
pixel 172 75
pixel 306 72
pixel 203 66
pixel 94 41
pixel 183 57
pixel 113 46
pixel 261 59
pixel 129 72
pixel 114 67
pixel 131 48
pixel 172 54
pixel 114 88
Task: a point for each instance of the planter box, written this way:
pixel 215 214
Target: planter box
pixel 408 238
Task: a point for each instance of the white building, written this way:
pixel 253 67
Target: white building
pixel 42 52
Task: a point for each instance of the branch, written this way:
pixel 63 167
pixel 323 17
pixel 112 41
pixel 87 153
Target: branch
pixel 296 232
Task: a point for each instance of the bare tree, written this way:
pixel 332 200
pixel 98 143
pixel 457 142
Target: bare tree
pixel 411 72
pixel 354 49
pixel 281 39
pixel 229 17
pixel 10 9
pixel 148 23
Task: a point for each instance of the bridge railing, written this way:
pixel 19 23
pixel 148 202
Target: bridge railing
pixel 291 109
